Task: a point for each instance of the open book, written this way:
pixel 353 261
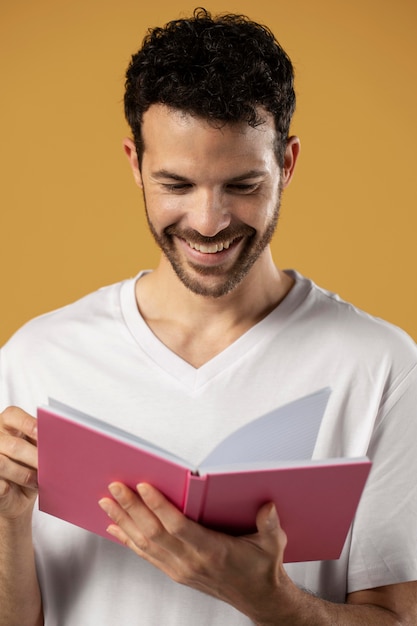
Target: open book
pixel 267 460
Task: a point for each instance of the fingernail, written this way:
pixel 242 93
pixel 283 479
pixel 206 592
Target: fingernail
pixel 142 489
pixel 115 490
pixel 104 505
pixel 112 530
pixel 272 519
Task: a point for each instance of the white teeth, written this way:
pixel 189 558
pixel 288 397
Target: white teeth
pixel 209 248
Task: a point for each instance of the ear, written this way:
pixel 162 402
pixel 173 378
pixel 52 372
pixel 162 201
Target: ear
pixel 132 156
pixel 290 159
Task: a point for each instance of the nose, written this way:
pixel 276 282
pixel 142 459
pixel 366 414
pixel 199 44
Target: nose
pixel 209 213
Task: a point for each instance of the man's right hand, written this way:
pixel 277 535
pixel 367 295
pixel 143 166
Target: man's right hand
pixel 18 463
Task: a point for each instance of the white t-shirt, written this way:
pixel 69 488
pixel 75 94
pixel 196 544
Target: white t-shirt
pixel 99 356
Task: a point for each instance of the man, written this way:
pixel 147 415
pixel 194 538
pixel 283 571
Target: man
pixel 213 337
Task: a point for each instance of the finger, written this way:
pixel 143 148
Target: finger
pixel 270 532
pixel 170 517
pixel 132 516
pixel 140 529
pixel 14 472
pixel 122 510
pixel 153 522
pixel 267 518
pixel 19 450
pixel 18 422
pixel 122 527
pixel 136 527
pixel 205 559
pixel 162 561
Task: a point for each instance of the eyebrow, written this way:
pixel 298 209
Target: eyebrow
pixel 168 174
pixel 244 176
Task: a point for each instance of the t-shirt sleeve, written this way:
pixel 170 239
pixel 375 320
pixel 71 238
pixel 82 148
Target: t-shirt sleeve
pixel 384 538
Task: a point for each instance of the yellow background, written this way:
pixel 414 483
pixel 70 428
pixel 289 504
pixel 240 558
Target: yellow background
pixel 71 219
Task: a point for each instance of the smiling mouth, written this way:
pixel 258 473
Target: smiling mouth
pixel 211 248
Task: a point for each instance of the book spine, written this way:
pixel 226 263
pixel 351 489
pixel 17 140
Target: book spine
pixel 195 494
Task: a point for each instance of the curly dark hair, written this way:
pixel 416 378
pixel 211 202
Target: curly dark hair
pixel 220 68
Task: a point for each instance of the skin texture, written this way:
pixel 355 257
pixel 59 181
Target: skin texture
pixel 187 175
pixel 213 563
pixel 20 598
pixel 211 185
pixel 214 297
pixel 239 208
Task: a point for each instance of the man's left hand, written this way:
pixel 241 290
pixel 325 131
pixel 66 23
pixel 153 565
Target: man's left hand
pixel 244 571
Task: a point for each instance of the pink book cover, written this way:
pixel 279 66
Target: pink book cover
pixel 316 503
pixel 316 500
pixel 77 463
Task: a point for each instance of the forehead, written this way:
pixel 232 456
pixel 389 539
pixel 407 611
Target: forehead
pixel 173 134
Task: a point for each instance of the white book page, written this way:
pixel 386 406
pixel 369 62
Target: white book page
pixel 288 433
pixel 262 466
pixel 113 431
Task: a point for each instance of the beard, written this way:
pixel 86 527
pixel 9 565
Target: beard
pixel 194 276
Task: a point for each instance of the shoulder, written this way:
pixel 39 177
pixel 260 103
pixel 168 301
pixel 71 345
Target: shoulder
pixel 346 327
pixel 92 311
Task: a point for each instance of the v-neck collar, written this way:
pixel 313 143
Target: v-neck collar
pixel 181 370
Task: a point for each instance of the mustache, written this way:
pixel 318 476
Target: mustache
pixel 227 234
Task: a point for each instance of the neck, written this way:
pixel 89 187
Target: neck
pixel 199 327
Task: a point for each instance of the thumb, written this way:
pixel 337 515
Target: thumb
pixel 269 527
pixel 267 518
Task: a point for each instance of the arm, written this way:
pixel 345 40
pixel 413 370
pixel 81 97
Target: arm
pixel 20 597
pixel 247 572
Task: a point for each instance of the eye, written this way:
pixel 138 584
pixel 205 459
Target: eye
pixel 243 188
pixel 176 187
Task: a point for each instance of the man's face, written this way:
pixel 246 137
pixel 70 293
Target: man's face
pixel 212 196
